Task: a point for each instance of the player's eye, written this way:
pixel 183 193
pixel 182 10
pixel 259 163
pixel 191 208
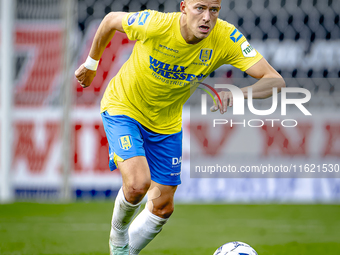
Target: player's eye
pixel 214 10
pixel 200 8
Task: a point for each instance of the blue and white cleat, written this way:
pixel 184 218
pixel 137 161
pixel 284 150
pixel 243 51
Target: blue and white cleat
pixel 115 250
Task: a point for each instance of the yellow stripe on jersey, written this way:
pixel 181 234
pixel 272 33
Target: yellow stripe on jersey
pixel 152 86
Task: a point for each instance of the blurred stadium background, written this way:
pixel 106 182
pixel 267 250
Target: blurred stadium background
pixel 53 143
pixel 56 126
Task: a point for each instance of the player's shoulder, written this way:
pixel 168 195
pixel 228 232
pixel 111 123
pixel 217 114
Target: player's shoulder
pixel 224 28
pixel 227 34
pixel 161 22
pixel 151 18
pixel 155 23
pixel 148 24
pixel 164 16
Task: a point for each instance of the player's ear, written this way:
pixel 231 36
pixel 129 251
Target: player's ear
pixel 182 7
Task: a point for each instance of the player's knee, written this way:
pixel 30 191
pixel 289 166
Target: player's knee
pixel 134 191
pixel 163 211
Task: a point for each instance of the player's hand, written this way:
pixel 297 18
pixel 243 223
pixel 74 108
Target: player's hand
pixel 84 76
pixel 227 101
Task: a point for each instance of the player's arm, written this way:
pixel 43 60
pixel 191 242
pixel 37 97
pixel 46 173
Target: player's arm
pixel 268 78
pixel 107 28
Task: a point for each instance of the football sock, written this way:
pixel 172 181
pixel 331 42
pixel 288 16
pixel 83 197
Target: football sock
pixel 123 214
pixel 143 229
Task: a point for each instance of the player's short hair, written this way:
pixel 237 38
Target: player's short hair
pixel 188 1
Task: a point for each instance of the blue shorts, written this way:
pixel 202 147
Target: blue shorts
pixel 128 138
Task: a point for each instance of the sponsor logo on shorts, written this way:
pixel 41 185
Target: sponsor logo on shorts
pixel 176 162
pixel 205 55
pixel 125 142
pixel 236 35
pixel 247 50
pixel 175 174
pixel 132 18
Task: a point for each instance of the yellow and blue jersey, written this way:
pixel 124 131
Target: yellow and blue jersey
pixel 152 86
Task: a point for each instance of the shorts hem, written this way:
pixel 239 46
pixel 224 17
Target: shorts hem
pixel 116 167
pixel 174 183
pixel 138 155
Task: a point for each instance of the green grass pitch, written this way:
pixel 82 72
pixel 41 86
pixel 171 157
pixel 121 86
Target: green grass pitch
pixel 83 228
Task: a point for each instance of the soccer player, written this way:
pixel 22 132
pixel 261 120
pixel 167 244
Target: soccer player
pixel 142 105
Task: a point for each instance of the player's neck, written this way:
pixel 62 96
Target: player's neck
pixel 187 35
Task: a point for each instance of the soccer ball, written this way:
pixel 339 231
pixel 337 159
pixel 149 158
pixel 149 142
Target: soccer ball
pixel 235 248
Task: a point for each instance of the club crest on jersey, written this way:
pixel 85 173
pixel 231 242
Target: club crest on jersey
pixel 236 35
pixel 125 142
pixel 205 55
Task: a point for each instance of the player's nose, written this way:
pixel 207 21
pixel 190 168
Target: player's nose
pixel 206 16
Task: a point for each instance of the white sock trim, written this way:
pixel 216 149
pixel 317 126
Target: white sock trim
pixel 126 203
pixel 156 219
pixel 123 214
pixel 143 229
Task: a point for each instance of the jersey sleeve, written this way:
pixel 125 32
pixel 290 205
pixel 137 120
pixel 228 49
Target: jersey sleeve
pixel 143 25
pixel 240 53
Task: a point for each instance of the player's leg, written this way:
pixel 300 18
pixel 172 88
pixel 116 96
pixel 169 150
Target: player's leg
pixel 163 153
pixel 149 222
pixel 126 150
pixel 136 182
pixel 136 178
